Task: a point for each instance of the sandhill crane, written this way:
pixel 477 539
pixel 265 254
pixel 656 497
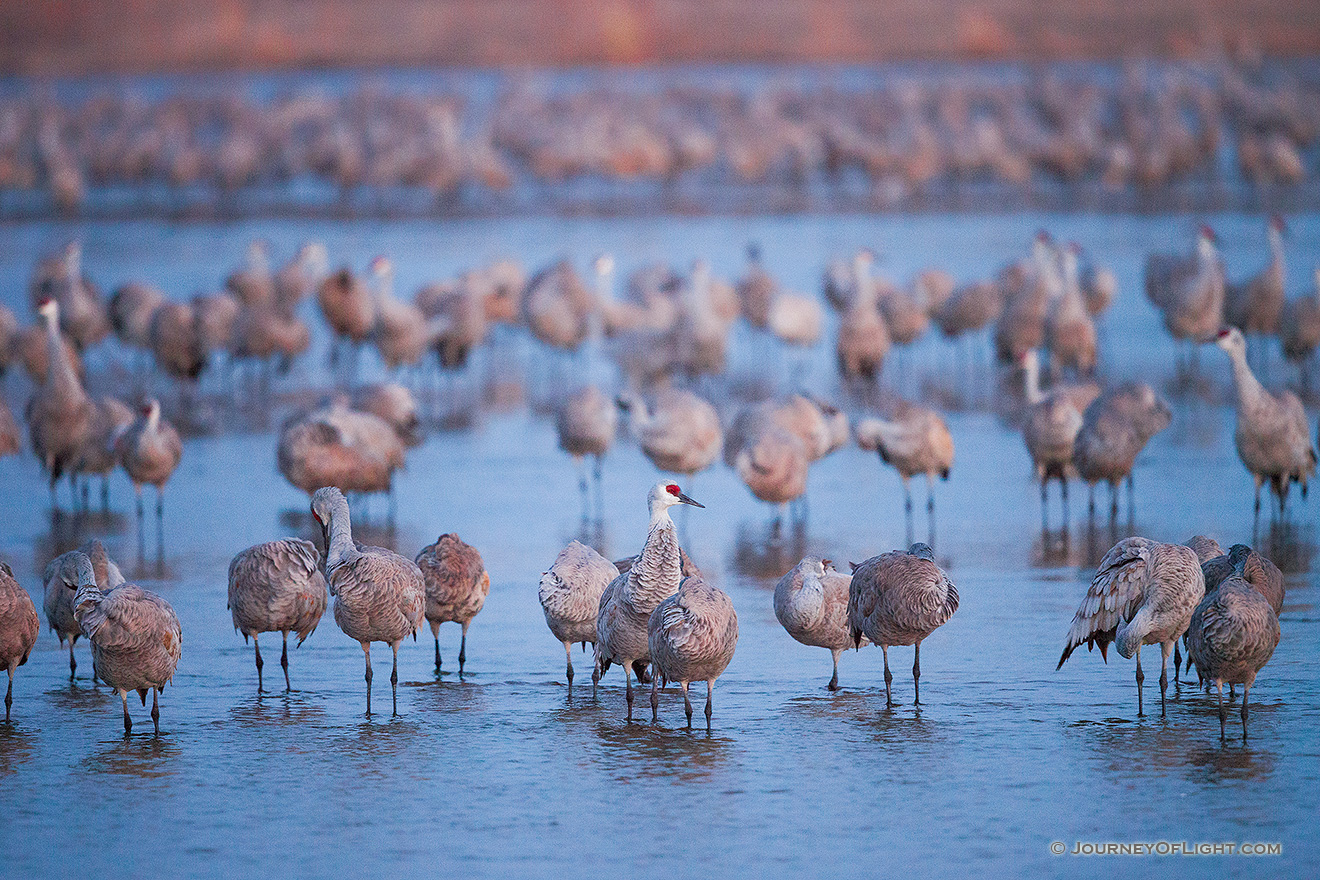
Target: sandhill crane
pixel 149 450
pixel 626 605
pixel 338 446
pixel 1115 428
pixel 915 440
pixel 110 418
pixel 1099 287
pixel 896 599
pixel 9 335
pixel 556 306
pixel 18 628
pixel 298 278
pixel 1069 331
pixel 1255 305
pixel 11 442
pixel 1251 566
pixel 402 333
pixel 570 594
pixel 680 433
pixel 863 338
pixel 457 585
pixel 1143 593
pixel 1031 286
pixel 1273 435
pixel 277 587
pixel 1051 426
pixel 130 309
pixel 379 595
pixel 772 462
pixel 253 283
pixel 82 316
pixel 811 604
pixel 32 351
pixel 1232 635
pixel 756 290
pixel 586 424
pixel 216 318
pixel 177 342
pixel 457 317
pixel 1190 293
pixel 59 414
pixel 61 584
pixel 395 405
pixel 1299 329
pixel 691 636
pixel 701 335
pixel 795 319
pixel 348 307
pixel 265 331
pixel 135 635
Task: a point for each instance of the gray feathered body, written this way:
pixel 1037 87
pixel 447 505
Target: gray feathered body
pixel 626 605
pixel 456 580
pixel 1233 633
pixel 379 595
pixel 811 603
pixel 899 599
pixel 18 621
pixel 692 634
pixel 915 441
pixel 149 450
pixel 571 590
pixel 135 635
pixel 587 422
pixel 1115 428
pixel 1143 593
pixel 277 587
pixel 61 586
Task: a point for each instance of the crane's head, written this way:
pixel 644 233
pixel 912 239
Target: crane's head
pixel 1278 225
pixel 48 308
pixel 381 267
pixel 1230 339
pixel 665 494
pixel 921 551
pixel 603 264
pixel 324 504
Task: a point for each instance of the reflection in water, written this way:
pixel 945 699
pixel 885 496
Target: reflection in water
pixel 16 745
pixel 146 756
pixel 767 550
pixel 679 755
pixel 1288 542
pixel 278 708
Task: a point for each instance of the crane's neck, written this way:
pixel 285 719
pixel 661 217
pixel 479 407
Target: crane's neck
pixel 339 537
pixel 1276 246
pixel 1031 380
pixel 865 295
pixel 658 569
pixel 1249 389
pixel 60 373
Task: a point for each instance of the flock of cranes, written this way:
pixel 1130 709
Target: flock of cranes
pixel 1155 124
pixel 653 614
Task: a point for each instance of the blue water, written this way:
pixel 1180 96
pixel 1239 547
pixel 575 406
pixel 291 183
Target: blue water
pixel 502 772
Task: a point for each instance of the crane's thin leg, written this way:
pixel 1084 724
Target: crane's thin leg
pixel 155 709
pixel 462 648
pixel 128 722
pixel 1063 487
pixel 595 675
pixel 1164 674
pixel 9 694
pixel 366 650
pixel 568 654
pixel 1245 689
pixel 257 647
pixel 598 468
pixel 834 681
pixel 394 680
pixel 142 538
pixel 627 677
pixel 73 663
pixel 105 494
pixel 655 698
pixel 916 675
pixel 907 509
pixel 1044 501
pixel 710 700
pixel 930 510
pixel 1223 714
pixel 1141 676
pixel 436 632
pixel 687 703
pixel 284 661
pixel 1177 665
pixel 889 680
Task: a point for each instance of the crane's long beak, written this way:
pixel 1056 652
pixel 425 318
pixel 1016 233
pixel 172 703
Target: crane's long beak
pixel 686 500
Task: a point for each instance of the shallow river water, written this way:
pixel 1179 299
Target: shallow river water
pixel 503 771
